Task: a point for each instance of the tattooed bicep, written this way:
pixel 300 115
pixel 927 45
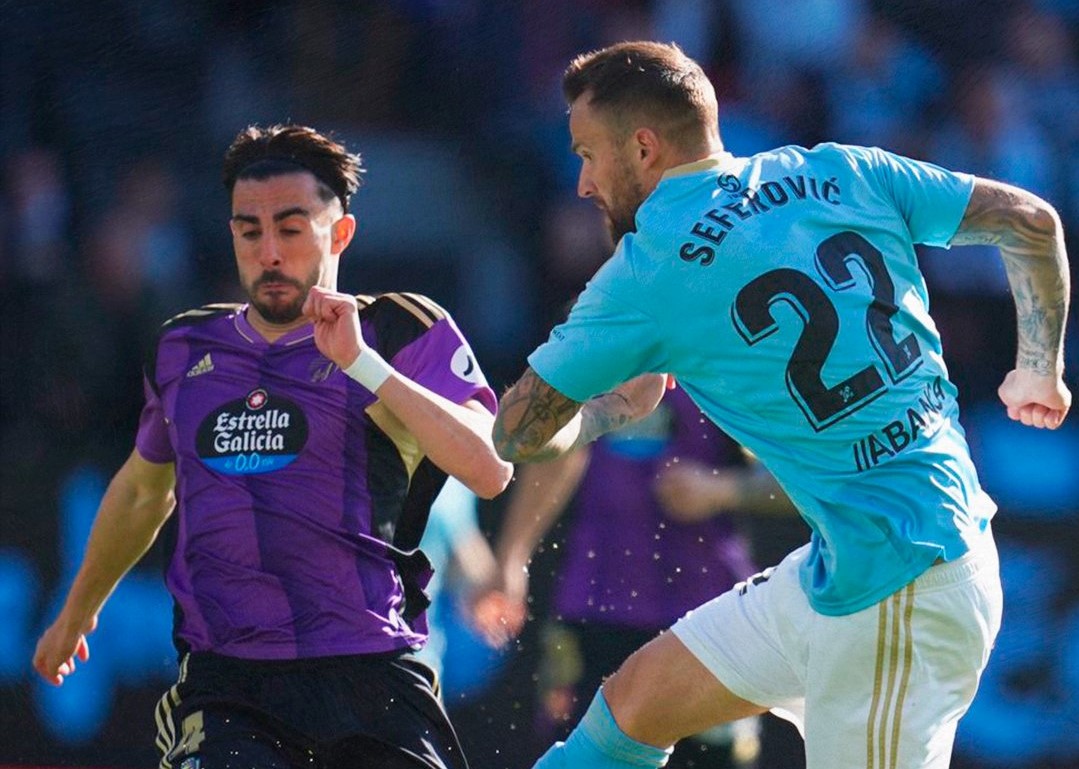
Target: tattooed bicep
pixel 540 396
pixel 530 413
pixel 999 214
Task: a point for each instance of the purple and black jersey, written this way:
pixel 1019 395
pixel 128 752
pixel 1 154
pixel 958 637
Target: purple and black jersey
pixel 626 562
pixel 293 482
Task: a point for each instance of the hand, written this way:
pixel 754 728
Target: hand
pixel 691 492
pixel 497 618
pixel 1034 399
pixel 337 325
pixel 500 609
pixel 54 657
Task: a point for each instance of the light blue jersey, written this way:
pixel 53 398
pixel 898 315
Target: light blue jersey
pixel 783 293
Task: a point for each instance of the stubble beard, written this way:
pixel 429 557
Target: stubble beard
pixel 626 197
pixel 281 312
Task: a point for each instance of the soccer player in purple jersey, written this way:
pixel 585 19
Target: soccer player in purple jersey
pixel 301 438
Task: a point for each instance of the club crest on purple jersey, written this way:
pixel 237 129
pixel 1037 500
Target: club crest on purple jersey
pixel 463 364
pixel 255 434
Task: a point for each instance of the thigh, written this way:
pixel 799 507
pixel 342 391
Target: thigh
pixel 888 685
pixel 210 738
pixel 753 638
pixel 389 715
pixel 208 720
pixel 664 693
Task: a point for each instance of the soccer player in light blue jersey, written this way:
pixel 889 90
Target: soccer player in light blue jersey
pixel 782 292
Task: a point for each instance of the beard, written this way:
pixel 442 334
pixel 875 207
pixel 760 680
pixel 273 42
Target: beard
pixel 280 310
pixel 626 197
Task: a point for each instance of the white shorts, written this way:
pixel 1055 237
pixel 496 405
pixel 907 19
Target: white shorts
pixel 883 688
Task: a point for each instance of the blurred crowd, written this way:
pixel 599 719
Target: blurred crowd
pixel 116 115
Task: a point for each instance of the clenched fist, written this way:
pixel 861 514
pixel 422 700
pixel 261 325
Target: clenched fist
pixel 337 324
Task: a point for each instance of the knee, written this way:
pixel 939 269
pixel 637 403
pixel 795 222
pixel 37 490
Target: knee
pixel 627 695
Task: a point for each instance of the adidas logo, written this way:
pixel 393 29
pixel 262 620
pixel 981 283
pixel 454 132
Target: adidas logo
pixel 204 366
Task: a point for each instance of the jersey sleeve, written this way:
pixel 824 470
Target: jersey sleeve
pixel 931 199
pixel 441 360
pixel 603 343
pixel 152 440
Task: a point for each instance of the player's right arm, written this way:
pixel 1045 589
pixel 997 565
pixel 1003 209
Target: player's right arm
pixel 540 495
pixel 137 502
pixel 1028 232
pixel 537 423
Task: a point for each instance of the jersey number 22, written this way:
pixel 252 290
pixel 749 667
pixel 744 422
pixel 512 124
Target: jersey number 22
pixel 823 406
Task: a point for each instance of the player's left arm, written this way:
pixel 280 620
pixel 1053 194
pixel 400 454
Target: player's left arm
pixel 1028 232
pixel 536 422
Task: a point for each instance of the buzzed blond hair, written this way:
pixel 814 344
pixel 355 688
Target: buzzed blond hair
pixel 646 81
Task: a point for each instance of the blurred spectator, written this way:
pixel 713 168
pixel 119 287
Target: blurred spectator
pixel 462 562
pixel 1044 82
pixel 987 133
pixel 142 247
pixel 880 89
pixel 38 218
pixel 798 34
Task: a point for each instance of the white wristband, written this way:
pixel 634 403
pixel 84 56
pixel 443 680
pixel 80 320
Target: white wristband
pixel 369 369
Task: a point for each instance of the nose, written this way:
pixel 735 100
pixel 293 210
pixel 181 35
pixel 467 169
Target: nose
pixel 586 188
pixel 268 254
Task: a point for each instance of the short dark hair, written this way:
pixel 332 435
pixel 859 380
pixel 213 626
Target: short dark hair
pixel 649 80
pixel 260 153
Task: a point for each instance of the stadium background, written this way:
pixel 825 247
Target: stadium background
pixel 114 119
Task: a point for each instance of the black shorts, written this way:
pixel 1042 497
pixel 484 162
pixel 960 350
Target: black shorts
pixel 379 710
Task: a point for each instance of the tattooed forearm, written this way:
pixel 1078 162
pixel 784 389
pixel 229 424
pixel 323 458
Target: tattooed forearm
pixel 1031 241
pixel 531 415
pixel 604 414
pixel 536 422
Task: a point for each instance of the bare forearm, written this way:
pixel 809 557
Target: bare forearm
pixel 1040 287
pixel 597 417
pixel 537 423
pixel 1030 238
pixel 453 436
pixel 127 523
pixel 540 494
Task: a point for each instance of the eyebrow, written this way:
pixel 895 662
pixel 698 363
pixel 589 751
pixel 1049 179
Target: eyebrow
pixel 279 216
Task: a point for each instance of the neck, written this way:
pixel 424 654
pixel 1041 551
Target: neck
pixel 710 146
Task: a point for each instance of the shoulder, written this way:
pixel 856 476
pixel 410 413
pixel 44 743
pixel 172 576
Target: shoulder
pixel 844 156
pixel 180 324
pixel 198 317
pixel 865 161
pixel 399 318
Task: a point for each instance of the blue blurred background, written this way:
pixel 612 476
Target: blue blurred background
pixel 115 115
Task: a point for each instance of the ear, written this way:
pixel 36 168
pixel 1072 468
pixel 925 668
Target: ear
pixel 646 147
pixel 342 231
